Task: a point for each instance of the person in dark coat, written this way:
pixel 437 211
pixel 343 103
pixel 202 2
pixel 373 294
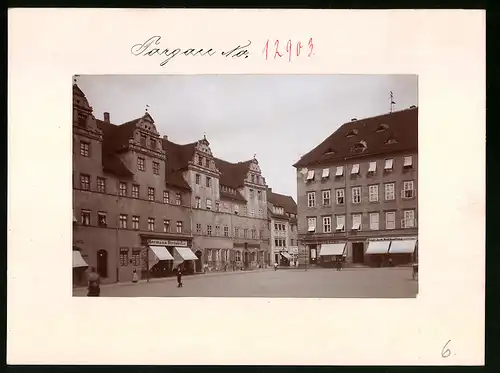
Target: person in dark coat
pixel 94 288
pixel 179 277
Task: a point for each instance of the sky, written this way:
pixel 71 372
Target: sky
pixel 278 118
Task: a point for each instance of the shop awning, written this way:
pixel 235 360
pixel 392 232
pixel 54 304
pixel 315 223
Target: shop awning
pixel 78 261
pixel 403 246
pixel 286 255
pixel 161 253
pixel 378 247
pixel 332 249
pixel 185 253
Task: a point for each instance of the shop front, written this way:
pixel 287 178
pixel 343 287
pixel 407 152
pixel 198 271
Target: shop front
pixel 391 251
pixel 332 253
pixel 162 257
pixel 402 250
pixel 376 254
pixel 248 253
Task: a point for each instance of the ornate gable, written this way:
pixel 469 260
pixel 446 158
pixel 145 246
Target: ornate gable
pixel 79 100
pixel 203 146
pixel 84 122
pixel 254 166
pixel 146 123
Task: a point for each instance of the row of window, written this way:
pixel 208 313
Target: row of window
pixel 280 242
pixel 141 165
pixel 279 227
pixel 123 190
pixel 408 192
pixel 152 142
pixel 374 222
pixel 237 231
pixel 236 210
pixel 102 221
pixel 355 168
pixel 217 255
pixel 202 161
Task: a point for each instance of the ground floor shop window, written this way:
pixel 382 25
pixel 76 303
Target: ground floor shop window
pixel 123 257
pixel 136 258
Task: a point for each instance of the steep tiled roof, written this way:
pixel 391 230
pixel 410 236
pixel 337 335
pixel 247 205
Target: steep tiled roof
pixel 392 132
pixel 112 164
pixel 281 200
pixel 116 137
pixel 178 157
pixel 232 174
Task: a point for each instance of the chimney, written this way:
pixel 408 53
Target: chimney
pixel 106 116
pixel 353 119
pixel 165 137
pixel 413 107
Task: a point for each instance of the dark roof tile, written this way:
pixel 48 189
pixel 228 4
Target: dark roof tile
pixel 232 174
pixel 401 126
pixel 281 200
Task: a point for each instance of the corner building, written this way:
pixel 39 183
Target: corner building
pixel 135 192
pixel 357 193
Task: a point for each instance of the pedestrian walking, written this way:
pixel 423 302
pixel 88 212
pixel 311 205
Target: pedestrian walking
pixel 135 277
pixel 94 288
pixel 179 277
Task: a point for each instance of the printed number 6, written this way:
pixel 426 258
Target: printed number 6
pixel 445 352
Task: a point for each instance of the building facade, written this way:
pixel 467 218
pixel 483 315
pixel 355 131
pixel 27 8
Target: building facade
pixel 144 203
pixel 357 193
pixel 282 213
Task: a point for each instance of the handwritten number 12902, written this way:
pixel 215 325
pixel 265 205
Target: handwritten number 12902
pixel 290 49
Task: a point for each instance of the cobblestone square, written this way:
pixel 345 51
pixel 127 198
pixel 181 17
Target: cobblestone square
pixel 283 283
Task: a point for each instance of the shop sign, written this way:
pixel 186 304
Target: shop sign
pixel 167 243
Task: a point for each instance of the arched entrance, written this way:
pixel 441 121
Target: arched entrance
pixel 102 263
pixel 198 265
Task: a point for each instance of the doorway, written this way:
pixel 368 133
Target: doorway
pixel 102 263
pixel 358 252
pixel 245 256
pixel 198 261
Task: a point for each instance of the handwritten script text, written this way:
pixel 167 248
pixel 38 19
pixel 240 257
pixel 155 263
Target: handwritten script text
pixel 152 47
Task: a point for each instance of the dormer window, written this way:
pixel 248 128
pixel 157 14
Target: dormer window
pixel 200 161
pixel 152 144
pixel 310 175
pixel 352 133
pixel 382 128
pixel 143 140
pixel 359 147
pixel 391 141
pixel 329 151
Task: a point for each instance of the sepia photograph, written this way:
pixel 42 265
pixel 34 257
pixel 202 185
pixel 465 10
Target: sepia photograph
pixel 293 186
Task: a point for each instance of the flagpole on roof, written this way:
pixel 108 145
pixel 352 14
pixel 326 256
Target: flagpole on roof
pixel 392 101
